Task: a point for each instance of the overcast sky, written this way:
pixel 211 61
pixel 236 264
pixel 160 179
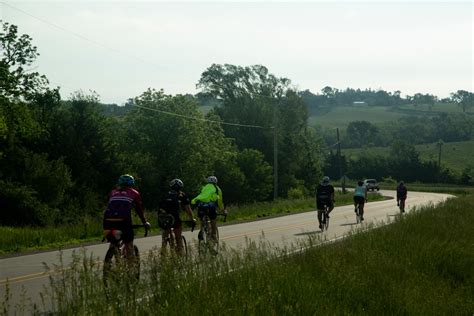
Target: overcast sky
pixel 119 49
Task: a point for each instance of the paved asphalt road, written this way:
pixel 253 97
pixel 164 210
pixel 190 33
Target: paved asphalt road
pixel 27 273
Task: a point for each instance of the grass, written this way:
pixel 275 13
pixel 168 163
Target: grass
pixel 455 155
pixel 27 239
pixel 341 116
pixel 422 264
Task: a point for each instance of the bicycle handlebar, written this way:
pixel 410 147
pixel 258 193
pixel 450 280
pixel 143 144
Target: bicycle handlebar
pixel 223 214
pixel 193 224
pixel 140 226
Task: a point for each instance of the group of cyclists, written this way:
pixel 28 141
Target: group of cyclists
pixel 325 198
pixel 125 197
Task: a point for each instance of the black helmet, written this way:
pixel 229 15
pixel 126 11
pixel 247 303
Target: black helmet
pixel 176 184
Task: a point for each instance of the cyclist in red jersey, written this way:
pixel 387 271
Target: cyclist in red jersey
pixel 118 215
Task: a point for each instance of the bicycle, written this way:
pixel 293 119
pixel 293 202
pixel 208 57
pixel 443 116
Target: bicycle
pixel 401 205
pixel 325 218
pixel 206 242
pixel 116 256
pixel 169 238
pixel 359 217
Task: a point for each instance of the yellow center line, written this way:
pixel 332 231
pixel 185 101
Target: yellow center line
pixel 39 275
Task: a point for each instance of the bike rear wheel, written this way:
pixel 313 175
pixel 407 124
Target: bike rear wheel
pixel 185 246
pixel 111 262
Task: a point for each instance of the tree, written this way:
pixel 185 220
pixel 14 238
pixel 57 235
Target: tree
pixel 17 52
pixel 463 98
pixel 362 133
pixel 253 96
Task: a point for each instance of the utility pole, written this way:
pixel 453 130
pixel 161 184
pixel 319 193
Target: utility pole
pixel 275 163
pixel 440 144
pixel 275 152
pixel 339 162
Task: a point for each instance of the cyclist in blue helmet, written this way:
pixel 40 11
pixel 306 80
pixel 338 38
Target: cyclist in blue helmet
pixel 118 215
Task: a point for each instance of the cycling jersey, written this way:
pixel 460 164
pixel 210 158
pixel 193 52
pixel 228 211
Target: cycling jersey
pixel 324 196
pixel 172 205
pixel 360 191
pixel 401 192
pixel 210 193
pixel 121 203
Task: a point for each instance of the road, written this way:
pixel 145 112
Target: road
pixel 27 273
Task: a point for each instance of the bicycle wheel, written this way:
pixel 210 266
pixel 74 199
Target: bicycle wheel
pixel 185 246
pixel 110 264
pixel 136 263
pixel 214 243
pixel 326 221
pixel 202 237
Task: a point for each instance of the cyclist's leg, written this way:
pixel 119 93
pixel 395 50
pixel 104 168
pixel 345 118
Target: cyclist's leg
pixel 164 240
pixel 355 203
pixel 330 205
pixel 127 237
pixel 201 213
pixel 320 207
pixel 179 240
pixel 213 218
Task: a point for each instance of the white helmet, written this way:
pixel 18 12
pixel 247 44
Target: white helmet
pixel 212 179
pixel 176 184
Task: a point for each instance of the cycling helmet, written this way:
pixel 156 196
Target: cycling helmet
pixel 165 221
pixel 212 179
pixel 325 180
pixel 176 184
pixel 402 183
pixel 126 180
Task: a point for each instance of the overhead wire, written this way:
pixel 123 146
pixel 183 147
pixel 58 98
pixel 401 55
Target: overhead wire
pixel 80 36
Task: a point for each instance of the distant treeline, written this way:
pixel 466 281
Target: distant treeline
pixel 59 158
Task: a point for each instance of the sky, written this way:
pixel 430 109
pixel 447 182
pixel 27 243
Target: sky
pixel 121 48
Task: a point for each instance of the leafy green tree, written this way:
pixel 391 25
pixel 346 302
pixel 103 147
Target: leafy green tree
pixel 159 142
pixel 463 98
pixel 17 53
pixel 258 184
pixel 362 133
pixel 253 96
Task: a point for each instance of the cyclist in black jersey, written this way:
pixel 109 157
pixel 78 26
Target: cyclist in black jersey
pixel 324 197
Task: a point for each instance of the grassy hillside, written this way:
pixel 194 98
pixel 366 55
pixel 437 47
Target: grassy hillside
pixel 455 155
pixel 340 116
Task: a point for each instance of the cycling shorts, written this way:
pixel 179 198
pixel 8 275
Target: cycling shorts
pixel 177 220
pixel 359 200
pixel 209 208
pixel 124 226
pixel 321 203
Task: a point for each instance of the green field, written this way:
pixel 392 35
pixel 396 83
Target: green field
pixel 422 264
pixel 455 156
pixel 341 116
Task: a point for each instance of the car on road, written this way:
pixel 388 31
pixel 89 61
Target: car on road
pixel 371 184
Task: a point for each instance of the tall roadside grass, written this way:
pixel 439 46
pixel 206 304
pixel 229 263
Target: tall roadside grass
pixel 21 239
pixel 422 264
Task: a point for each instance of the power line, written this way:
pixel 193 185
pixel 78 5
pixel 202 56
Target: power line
pixel 82 36
pixel 201 119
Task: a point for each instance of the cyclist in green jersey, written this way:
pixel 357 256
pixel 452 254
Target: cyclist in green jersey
pixel 209 201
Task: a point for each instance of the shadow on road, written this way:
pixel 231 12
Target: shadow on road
pixel 309 233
